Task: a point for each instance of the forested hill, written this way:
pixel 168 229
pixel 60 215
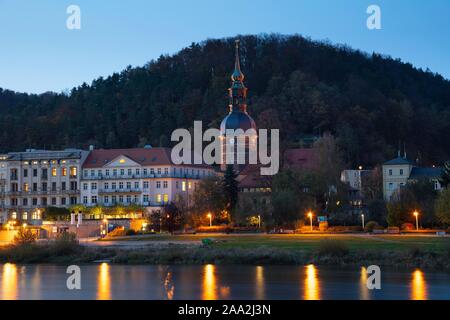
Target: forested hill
pixel 369 102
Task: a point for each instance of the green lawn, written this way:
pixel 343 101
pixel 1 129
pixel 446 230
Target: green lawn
pixel 308 242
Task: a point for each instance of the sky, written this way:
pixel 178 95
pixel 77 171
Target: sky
pixel 38 53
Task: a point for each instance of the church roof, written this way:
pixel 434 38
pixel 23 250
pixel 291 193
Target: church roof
pixel 237 120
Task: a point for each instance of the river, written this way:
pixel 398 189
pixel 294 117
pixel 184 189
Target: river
pixel 105 281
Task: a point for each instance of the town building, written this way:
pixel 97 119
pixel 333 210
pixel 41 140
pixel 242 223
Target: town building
pixel 3 173
pixel 400 171
pixel 36 179
pixel 143 176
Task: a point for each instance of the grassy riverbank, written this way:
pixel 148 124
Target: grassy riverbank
pixel 422 252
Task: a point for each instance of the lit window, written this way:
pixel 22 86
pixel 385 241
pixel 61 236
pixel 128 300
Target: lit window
pixel 189 185
pixel 53 172
pixel 64 171
pixel 166 198
pixel 14 215
pixel 73 171
pixel 122 161
pixel 25 216
pixel 25 187
pixel 183 186
pixel 158 198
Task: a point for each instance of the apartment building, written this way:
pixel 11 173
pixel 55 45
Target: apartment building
pixel 36 179
pixel 143 176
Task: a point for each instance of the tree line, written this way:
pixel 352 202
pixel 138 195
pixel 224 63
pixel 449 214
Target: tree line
pixel 369 102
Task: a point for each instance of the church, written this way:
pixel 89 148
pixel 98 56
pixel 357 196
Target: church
pixel 238 147
pixel 249 177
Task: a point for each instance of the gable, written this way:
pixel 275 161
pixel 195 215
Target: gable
pixel 122 161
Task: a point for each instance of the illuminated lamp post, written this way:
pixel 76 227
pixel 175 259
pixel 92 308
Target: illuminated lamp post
pixel 416 214
pixel 362 219
pixel 310 215
pixel 210 219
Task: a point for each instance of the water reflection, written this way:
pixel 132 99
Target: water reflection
pixel 260 283
pixel 312 286
pixel 418 286
pixel 363 290
pixel 209 282
pixel 9 282
pixel 104 283
pixel 169 288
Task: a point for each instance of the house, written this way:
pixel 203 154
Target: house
pixel 400 171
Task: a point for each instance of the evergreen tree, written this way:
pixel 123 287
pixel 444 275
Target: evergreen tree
pixel 230 188
pixel 445 177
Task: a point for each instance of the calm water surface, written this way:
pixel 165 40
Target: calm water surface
pixel 106 281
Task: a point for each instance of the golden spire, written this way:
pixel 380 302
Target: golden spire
pixel 237 74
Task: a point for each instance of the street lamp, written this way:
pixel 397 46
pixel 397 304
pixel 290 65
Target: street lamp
pixel 416 214
pixel 105 221
pixel 362 219
pixel 210 219
pixel 259 221
pixel 310 215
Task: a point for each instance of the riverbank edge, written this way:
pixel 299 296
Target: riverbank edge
pixel 188 255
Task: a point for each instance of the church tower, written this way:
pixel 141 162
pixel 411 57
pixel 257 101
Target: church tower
pixel 240 146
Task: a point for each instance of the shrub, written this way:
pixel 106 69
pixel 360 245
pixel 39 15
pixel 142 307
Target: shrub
pixel 332 248
pixel 117 232
pixel 130 232
pixel 370 226
pixel 65 243
pixel 24 237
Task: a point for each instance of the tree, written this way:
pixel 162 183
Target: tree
pixel 443 207
pixel 445 177
pixel 208 198
pixel 56 213
pixel 230 188
pixel 425 196
pixel 24 237
pixel 400 209
pixel 172 217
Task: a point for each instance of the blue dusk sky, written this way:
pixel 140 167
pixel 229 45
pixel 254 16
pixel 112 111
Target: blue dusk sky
pixel 38 53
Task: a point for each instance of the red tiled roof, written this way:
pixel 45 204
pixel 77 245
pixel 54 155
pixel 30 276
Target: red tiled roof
pixel 297 159
pixel 144 156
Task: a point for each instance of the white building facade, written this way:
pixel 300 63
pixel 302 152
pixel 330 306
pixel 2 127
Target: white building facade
pixel 142 176
pixel 36 179
pixel 400 171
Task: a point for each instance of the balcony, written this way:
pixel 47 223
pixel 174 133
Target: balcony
pixel 145 176
pixel 114 191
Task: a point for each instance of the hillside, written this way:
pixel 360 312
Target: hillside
pixel 369 102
